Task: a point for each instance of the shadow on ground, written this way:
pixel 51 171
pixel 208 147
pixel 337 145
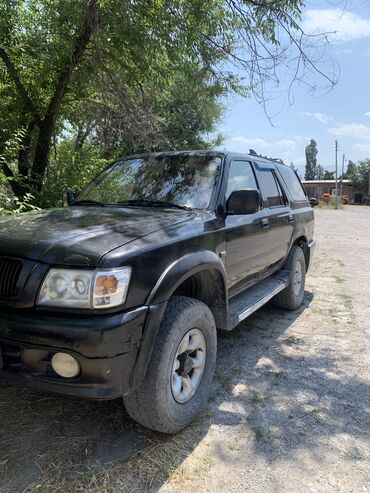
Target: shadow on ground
pixel 52 443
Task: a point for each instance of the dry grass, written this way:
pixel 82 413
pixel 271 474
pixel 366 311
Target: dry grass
pixel 53 444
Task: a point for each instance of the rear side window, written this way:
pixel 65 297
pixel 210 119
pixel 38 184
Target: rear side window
pixel 240 176
pixel 271 189
pixel 293 183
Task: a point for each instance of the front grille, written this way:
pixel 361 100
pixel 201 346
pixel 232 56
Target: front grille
pixel 12 357
pixel 10 271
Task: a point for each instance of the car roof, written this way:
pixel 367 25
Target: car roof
pixel 206 152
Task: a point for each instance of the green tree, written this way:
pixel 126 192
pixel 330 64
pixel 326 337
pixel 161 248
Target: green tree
pixel 361 176
pixel 328 175
pixel 351 170
pixel 311 161
pixel 319 172
pixel 140 75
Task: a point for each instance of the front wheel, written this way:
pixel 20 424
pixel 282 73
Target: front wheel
pixel 291 297
pixel 180 372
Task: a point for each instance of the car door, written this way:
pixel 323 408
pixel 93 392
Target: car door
pixel 278 220
pixel 244 234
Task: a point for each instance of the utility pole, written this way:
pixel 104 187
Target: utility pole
pixel 341 181
pixel 336 174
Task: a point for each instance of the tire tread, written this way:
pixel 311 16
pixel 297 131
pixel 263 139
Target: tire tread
pixel 142 404
pixel 286 298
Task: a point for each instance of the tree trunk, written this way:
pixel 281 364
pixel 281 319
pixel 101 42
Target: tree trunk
pixel 18 189
pixel 24 154
pixel 41 159
pixel 47 126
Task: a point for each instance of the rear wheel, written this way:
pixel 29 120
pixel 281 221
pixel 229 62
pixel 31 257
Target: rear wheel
pixel 180 372
pixel 292 296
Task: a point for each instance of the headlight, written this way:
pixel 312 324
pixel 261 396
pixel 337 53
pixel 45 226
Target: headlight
pixel 85 288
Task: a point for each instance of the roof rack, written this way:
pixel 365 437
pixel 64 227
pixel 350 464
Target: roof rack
pixel 252 152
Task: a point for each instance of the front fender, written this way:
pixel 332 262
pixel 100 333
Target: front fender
pixel 181 269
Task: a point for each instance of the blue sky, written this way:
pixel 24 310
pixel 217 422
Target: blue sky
pixel 343 113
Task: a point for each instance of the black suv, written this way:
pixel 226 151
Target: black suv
pixel 122 292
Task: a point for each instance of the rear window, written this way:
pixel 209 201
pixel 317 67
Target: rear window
pixel 271 189
pixel 292 182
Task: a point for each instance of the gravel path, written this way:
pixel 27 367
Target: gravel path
pixel 290 409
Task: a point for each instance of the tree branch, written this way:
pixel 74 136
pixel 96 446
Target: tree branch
pixel 7 171
pixel 48 123
pixel 89 28
pixel 19 85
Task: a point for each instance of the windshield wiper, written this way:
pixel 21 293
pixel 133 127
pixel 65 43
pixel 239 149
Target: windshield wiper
pixel 89 202
pixel 152 203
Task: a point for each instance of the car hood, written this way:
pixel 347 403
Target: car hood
pixel 80 235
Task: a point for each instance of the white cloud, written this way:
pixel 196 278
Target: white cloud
pixel 367 114
pixel 356 130
pixel 364 148
pixel 343 26
pixel 260 143
pixel 285 144
pixel 285 149
pixel 343 52
pixel 321 117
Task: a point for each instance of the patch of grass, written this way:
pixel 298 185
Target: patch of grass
pixel 213 397
pixel 233 447
pixel 204 465
pixel 117 421
pixel 347 301
pixel 339 280
pixel 278 377
pixel 179 475
pixel 291 340
pixel 319 311
pixel 329 205
pixel 226 381
pixel 318 413
pixel 258 399
pixel 258 433
pixel 333 312
pixel 208 413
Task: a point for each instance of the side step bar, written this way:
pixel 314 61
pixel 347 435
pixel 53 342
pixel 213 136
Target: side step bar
pixel 253 298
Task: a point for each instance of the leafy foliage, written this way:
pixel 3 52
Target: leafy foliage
pixel 21 206
pixel 328 175
pixel 311 161
pixel 359 174
pixel 84 81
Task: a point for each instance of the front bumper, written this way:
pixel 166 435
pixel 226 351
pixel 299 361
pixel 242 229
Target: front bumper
pixel 107 348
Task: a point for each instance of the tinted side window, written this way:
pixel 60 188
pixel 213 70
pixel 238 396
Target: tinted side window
pixel 292 182
pixel 271 188
pixel 240 176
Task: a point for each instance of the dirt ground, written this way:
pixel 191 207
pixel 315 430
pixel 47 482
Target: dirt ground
pixel 290 408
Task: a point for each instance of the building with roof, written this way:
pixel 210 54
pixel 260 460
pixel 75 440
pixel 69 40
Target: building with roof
pixel 316 188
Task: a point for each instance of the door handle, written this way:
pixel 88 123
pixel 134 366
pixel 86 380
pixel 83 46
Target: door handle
pixel 265 223
pixel 290 218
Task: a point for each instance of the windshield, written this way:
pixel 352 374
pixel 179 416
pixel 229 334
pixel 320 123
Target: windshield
pixel 180 179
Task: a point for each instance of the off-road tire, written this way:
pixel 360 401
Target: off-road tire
pixel 152 404
pixel 289 299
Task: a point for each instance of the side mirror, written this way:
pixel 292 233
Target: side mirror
pixel 246 201
pixel 68 198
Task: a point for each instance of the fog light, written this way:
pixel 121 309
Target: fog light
pixel 65 365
